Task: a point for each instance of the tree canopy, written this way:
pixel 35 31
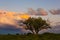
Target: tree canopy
pixel 36 24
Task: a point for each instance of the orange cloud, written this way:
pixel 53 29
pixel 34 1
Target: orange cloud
pixel 11 17
pixel 24 16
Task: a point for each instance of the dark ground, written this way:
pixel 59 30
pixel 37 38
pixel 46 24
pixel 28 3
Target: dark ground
pixel 46 36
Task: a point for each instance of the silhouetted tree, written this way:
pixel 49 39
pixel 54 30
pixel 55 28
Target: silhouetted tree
pixel 36 24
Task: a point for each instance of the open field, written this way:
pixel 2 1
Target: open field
pixel 46 36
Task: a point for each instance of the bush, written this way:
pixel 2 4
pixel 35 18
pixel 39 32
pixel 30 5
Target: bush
pixel 17 33
pixel 9 34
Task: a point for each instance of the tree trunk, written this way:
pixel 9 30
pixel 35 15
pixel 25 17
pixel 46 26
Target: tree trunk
pixel 35 32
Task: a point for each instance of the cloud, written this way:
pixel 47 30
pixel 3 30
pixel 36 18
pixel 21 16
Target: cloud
pixel 7 28
pixel 55 11
pixel 31 11
pixel 41 11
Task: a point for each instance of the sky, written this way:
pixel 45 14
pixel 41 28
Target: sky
pixel 23 5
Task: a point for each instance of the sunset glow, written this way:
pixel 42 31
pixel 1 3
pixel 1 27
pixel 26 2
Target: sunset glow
pixel 15 12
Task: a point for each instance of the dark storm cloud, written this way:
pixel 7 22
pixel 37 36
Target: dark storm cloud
pixel 7 28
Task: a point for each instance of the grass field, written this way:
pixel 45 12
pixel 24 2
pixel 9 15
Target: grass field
pixel 46 36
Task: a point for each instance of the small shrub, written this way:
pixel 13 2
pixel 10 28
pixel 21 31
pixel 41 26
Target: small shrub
pixel 29 33
pixel 9 34
pixel 17 33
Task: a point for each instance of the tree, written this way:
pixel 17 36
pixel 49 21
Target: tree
pixel 36 24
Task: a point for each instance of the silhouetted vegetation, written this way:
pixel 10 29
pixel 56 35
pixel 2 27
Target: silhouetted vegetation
pixel 9 34
pixel 36 24
pixel 17 33
pixel 45 36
